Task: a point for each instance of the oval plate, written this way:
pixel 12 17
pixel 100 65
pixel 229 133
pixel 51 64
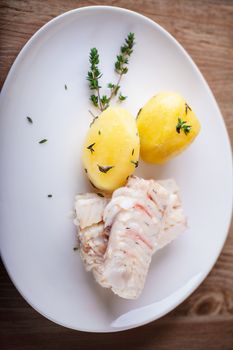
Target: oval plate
pixel 37 233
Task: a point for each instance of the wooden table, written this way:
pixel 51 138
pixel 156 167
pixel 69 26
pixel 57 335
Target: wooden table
pixel 204 320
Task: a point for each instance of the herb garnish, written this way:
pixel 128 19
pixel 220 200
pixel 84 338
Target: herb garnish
pixel 43 141
pixel 90 147
pixel 30 120
pixel 182 125
pixel 114 88
pixel 94 100
pixel 121 65
pixel 93 77
pixel 123 58
pixel 139 113
pixel 105 102
pixel 100 194
pixel 104 169
pixel 187 108
pixel 135 163
pixel 94 74
pixel 121 97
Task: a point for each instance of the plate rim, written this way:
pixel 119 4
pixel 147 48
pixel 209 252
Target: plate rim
pixel 7 81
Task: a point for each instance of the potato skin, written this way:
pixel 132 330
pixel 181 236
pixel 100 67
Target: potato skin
pixel 157 122
pixel 111 141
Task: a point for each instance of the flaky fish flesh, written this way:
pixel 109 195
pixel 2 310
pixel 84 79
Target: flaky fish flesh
pixel 118 236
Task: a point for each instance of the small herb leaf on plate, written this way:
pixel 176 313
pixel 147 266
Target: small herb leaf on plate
pixel 43 141
pixel 30 120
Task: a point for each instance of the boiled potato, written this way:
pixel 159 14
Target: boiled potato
pixel 166 125
pixel 111 149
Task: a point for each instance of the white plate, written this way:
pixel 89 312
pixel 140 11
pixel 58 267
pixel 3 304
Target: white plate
pixel 37 234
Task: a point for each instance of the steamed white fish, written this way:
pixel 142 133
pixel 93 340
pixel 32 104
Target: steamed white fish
pixel 141 216
pixel 92 237
pixel 119 236
pixel 93 242
pixel 89 209
pixel 175 221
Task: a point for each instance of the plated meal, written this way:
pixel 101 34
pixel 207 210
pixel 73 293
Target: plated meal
pixel 130 218
pixel 128 167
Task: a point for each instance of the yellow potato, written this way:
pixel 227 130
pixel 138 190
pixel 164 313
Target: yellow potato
pixel 111 149
pixel 166 125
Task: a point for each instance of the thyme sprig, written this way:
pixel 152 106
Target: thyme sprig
pixel 121 65
pixel 121 68
pixel 182 125
pixel 93 77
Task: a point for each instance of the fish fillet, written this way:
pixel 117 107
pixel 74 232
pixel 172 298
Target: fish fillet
pixel 89 209
pixel 92 236
pixel 119 236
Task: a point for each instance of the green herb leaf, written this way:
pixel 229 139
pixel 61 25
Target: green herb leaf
pixel 126 51
pixel 122 98
pixel 124 70
pixel 30 120
pixel 122 60
pixel 182 125
pixel 104 100
pixel 43 141
pixel 111 86
pixel 93 77
pixel 94 74
pixel 94 100
pixel 104 169
pixel 187 108
pixel 135 163
pixel 100 194
pixel 139 113
pixel 90 147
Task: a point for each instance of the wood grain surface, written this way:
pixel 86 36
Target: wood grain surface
pixel 205 319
